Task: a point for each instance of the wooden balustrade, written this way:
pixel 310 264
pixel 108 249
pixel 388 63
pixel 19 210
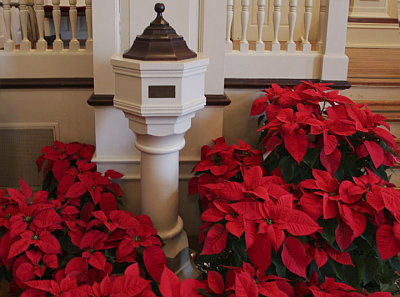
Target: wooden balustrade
pixel 60 55
pixel 298 41
pixel 33 17
pixel 278 13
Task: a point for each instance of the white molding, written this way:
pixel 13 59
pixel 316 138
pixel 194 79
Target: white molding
pixel 272 65
pixel 130 167
pixel 54 126
pixel 164 110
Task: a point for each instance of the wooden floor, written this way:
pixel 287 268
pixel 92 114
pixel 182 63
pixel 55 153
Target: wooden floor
pixel 371 66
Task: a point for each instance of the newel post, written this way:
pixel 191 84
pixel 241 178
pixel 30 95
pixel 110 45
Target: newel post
pixel 334 60
pixel 159 85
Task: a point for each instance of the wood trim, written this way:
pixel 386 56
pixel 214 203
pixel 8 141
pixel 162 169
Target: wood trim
pixel 48 9
pixel 217 100
pixel 373 20
pixel 381 82
pixel 256 83
pixel 107 100
pixel 101 100
pixel 14 4
pixel 387 104
pixel 46 83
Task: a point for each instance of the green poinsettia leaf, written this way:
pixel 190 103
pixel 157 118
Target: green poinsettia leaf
pixel 395 263
pixel 287 166
pixel 329 228
pixel 371 270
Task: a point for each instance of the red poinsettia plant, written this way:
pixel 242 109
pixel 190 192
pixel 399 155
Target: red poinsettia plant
pixel 314 202
pixel 71 239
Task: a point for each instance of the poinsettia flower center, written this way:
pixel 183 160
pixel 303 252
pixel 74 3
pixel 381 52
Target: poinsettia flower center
pixel 269 221
pixel 28 219
pixel 35 237
pixel 216 158
pixel 136 238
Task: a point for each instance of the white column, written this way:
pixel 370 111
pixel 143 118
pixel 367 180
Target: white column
pixel 276 47
pixel 58 44
pixel 23 11
pixel 291 46
pixel 334 61
pixel 73 17
pixel 88 14
pixel 105 44
pixel 244 44
pixel 9 44
pixel 213 34
pixel 229 19
pixel 307 24
pixel 159 186
pixel 260 46
pixel 41 44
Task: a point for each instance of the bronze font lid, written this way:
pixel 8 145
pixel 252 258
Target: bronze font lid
pixel 159 42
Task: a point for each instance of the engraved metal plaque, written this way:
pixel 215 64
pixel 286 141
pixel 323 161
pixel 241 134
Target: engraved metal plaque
pixel 161 91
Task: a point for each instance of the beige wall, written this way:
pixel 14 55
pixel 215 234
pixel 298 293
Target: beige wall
pixel 66 107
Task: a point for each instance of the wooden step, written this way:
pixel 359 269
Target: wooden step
pixel 373 66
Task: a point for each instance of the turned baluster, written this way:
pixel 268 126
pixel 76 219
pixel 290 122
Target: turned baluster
pixel 260 46
pixel 88 13
pixel 323 19
pixel 41 44
pixel 229 19
pixel 73 17
pixel 291 45
pixel 9 45
pixel 307 25
pixel 58 44
pixel 23 12
pixel 276 47
pixel 244 44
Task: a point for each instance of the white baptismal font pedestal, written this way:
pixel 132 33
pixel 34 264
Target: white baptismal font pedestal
pixel 159 85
